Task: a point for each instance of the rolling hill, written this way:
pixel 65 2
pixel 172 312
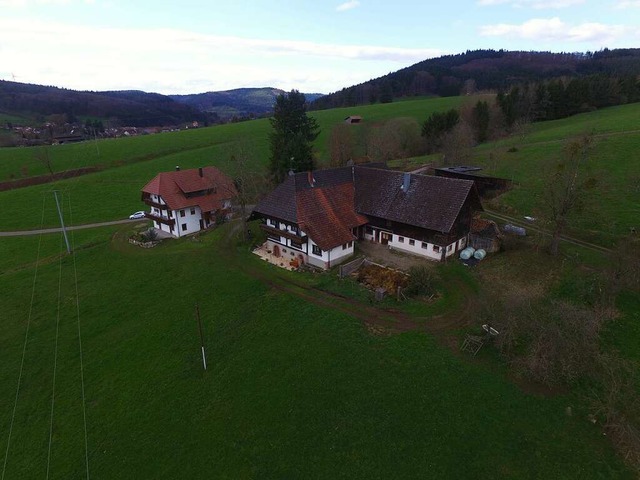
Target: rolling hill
pixel 239 103
pixel 471 71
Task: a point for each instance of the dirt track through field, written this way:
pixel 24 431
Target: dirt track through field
pixel 377 320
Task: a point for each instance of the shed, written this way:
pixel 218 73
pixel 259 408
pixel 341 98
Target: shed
pixel 485 234
pixel 353 119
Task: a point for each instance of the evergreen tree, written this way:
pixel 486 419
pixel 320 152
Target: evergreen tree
pixel 292 136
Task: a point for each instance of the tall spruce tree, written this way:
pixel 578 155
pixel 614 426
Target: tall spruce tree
pixel 292 136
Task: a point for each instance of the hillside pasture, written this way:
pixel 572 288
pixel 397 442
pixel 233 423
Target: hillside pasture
pixel 293 390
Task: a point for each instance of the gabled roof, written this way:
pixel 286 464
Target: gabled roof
pixel 174 186
pixel 328 204
pixel 326 214
pixel 321 203
pixel 429 202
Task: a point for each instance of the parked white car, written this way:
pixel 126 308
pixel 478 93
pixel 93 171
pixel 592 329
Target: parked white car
pixel 137 215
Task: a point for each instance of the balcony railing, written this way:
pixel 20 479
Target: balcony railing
pixel 283 233
pixel 151 203
pixel 157 218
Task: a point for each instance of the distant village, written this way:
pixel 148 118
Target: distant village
pixel 51 133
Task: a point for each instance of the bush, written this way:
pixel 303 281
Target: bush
pixel 421 281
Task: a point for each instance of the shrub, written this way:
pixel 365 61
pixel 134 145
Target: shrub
pixel 421 281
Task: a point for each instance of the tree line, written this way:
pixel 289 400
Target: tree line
pixel 481 70
pixel 563 97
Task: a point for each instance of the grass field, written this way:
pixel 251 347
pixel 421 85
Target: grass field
pixel 294 389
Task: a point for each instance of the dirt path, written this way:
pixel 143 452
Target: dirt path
pixel 377 320
pixel 22 233
pixel 564 238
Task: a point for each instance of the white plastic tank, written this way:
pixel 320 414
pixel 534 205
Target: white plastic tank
pixel 480 254
pixel 467 253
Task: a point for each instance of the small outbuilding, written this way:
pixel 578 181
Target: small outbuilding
pixel 485 234
pixel 353 119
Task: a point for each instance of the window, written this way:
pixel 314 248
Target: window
pixel 350 244
pixel 275 238
pixel 425 245
pixel 369 231
pixel 296 245
pixel 449 248
pixel 193 211
pixel 401 239
pixel 316 250
pixel 344 247
pixel 436 248
pixel 184 227
pixel 412 242
pixel 182 213
pixel 170 213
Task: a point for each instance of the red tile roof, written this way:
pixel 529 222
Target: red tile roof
pixel 173 187
pixel 328 204
pixel 327 215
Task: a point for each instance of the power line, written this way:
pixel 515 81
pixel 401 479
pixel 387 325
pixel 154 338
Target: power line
pixel 55 361
pixel 84 409
pixel 24 347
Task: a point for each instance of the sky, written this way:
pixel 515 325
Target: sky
pixel 315 46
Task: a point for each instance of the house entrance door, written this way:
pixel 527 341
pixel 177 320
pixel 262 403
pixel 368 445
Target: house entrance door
pixel 276 251
pixel 384 238
pixel 201 224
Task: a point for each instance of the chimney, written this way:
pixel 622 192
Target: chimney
pixel 177 168
pixel 200 172
pixel 406 179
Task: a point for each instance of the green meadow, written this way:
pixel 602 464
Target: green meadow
pixel 292 390
pixel 298 385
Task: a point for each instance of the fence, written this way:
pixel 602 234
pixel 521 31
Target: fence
pixel 348 268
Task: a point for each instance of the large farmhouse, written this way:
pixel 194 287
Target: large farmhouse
pixel 315 217
pixel 187 201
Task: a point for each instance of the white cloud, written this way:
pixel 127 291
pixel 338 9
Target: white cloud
pixel 348 5
pixel 535 4
pixel 179 61
pixel 628 4
pixel 27 3
pixel 554 29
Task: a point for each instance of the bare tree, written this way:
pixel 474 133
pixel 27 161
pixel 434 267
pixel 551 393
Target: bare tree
pixel 397 138
pixel 249 182
pixel 457 145
pixel 341 145
pixel 566 187
pixel 42 155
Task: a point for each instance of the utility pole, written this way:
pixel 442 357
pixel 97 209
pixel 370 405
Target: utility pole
pixel 64 230
pixel 204 359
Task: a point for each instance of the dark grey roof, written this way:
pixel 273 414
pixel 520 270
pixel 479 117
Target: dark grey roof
pixel 460 169
pixel 429 202
pixel 281 202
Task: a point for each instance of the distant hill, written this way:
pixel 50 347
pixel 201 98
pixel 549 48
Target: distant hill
pixel 239 103
pixel 135 108
pixel 126 108
pixel 452 75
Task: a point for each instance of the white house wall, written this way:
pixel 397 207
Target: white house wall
pixel 428 252
pixel 190 220
pixel 329 258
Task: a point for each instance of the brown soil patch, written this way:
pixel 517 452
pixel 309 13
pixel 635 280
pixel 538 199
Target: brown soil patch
pixel 41 179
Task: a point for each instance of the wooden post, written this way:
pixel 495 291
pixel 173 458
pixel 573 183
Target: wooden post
pixel 204 359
